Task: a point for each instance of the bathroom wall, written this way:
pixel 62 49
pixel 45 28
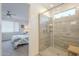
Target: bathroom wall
pixel 34 29
pixel 66 29
pixel 65 32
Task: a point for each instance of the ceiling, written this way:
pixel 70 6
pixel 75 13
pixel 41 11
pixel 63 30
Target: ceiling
pixel 50 5
pixel 45 6
pixel 19 10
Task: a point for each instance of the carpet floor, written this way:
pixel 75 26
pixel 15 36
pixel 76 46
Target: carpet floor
pixel 8 50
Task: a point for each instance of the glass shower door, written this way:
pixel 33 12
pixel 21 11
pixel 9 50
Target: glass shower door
pixel 44 33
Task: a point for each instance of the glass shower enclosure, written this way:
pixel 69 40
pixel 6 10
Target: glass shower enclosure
pixel 56 34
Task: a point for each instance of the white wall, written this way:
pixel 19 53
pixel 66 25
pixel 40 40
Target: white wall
pixel 34 29
pixel 0 28
pixel 33 38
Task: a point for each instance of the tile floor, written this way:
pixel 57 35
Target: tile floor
pixel 53 52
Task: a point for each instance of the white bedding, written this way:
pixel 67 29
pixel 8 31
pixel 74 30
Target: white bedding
pixel 19 39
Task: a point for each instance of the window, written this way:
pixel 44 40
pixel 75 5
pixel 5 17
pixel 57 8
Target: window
pixel 16 27
pixel 65 13
pixel 8 26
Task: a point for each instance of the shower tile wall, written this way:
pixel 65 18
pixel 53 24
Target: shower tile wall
pixel 66 31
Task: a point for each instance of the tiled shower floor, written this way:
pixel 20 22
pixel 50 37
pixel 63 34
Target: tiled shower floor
pixel 53 52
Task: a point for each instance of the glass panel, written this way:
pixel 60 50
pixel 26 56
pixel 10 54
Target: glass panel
pixel 44 33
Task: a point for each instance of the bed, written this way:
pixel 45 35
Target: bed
pixel 19 40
